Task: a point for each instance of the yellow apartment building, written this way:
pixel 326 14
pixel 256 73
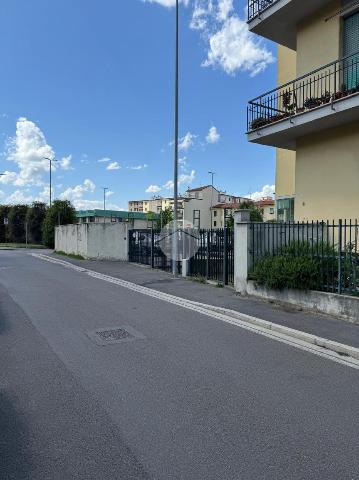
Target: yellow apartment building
pixel 312 116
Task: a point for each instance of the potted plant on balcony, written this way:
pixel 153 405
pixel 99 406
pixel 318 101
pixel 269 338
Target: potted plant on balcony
pixel 312 102
pixel 258 123
pixel 325 98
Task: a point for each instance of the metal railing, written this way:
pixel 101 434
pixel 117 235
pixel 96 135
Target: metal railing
pixel 143 248
pixel 214 258
pixel 255 7
pixel 333 246
pixel 323 86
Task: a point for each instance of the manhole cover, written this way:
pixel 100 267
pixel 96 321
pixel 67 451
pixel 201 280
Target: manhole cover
pixel 110 335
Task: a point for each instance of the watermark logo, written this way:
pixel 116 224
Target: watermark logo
pixel 179 241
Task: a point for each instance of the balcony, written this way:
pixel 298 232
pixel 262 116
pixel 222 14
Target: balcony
pixel 277 20
pixel 325 98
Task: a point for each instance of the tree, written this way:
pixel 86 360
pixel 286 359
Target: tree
pixel 17 220
pixel 166 216
pixel 35 217
pixel 61 212
pixel 256 214
pixel 4 229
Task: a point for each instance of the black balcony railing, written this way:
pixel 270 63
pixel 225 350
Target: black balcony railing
pixel 255 7
pixel 325 85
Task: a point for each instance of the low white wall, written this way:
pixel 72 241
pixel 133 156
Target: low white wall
pixel 108 241
pixel 71 239
pixel 343 306
pixel 102 241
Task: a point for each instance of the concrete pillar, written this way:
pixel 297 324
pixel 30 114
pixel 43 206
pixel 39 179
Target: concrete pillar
pixel 185 267
pixel 242 255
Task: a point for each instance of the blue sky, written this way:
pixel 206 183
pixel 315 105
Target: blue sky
pixel 91 80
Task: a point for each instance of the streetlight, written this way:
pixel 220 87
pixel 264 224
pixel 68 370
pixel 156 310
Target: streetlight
pixel 104 203
pixel 50 182
pixel 175 170
pixel 212 175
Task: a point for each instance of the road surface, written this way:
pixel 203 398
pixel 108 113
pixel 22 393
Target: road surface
pixel 187 397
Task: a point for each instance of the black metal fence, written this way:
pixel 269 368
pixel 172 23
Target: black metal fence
pixel 214 258
pixel 335 246
pixel 327 84
pixel 255 7
pixel 143 248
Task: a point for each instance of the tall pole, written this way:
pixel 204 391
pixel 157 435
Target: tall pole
pixel 212 174
pixel 104 203
pixel 50 180
pixel 175 169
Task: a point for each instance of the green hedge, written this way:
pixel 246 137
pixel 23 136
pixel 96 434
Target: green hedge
pixel 298 265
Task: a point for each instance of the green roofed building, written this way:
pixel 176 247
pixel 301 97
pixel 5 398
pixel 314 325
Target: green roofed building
pixel 134 219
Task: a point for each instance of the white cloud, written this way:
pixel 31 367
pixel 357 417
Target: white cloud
pixel 19 197
pixel 233 48
pixel 153 189
pixel 109 193
pixel 225 7
pixel 77 192
pixel 213 135
pixel 27 150
pixel 167 3
pixel 8 178
pixel 267 191
pixel 187 141
pixel 84 204
pixel 183 179
pixel 104 160
pixel 137 167
pixel 66 163
pixel 113 166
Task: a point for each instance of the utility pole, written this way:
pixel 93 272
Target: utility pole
pixel 212 175
pixel 50 181
pixel 175 169
pixel 104 203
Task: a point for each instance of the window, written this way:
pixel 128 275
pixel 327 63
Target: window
pixel 215 223
pixel 215 213
pixel 285 209
pixel 271 210
pixel 196 219
pixel 350 47
pixel 91 219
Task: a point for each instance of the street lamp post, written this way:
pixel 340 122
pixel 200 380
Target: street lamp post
pixel 50 181
pixel 212 175
pixel 104 203
pixel 175 169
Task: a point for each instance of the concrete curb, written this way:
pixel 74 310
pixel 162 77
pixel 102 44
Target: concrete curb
pixel 335 347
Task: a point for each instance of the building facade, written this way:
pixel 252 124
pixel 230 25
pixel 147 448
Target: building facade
pixel 267 207
pixel 133 219
pixel 312 116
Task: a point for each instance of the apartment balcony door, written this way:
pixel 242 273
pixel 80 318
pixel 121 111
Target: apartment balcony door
pixel 351 47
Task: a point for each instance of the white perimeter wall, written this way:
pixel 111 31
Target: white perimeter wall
pixel 94 240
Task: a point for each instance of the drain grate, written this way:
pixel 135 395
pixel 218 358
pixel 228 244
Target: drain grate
pixel 110 335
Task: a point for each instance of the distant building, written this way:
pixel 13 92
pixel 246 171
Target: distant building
pixel 194 207
pixel 267 206
pixel 134 219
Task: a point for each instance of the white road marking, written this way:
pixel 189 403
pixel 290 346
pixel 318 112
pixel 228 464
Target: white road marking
pixel 209 311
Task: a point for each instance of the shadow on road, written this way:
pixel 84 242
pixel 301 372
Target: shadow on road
pixel 14 458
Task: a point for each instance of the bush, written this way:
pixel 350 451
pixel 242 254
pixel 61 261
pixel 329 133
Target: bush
pixel 61 212
pixel 297 265
pixel 287 272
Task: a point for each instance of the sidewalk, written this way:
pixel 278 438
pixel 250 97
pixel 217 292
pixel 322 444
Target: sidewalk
pixel 321 325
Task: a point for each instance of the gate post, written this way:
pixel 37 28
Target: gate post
pixel 152 248
pixel 242 254
pixel 225 256
pixel 208 251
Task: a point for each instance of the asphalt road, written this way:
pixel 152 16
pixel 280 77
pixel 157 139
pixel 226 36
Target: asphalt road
pixel 194 399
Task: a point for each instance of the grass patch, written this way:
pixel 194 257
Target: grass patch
pixel 70 255
pixel 21 245
pixel 199 279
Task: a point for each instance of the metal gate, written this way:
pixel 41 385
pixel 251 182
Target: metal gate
pixel 144 248
pixel 214 259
